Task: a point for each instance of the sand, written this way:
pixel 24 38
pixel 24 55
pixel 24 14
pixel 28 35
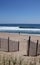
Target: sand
pixel 22 38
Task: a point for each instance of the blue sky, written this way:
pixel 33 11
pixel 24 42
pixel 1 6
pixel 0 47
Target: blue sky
pixel 20 11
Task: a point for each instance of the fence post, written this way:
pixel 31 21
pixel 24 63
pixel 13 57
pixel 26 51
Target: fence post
pixel 36 47
pixel 0 42
pixel 8 44
pixel 18 45
pixel 28 46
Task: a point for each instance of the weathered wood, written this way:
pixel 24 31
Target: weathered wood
pixel 18 45
pixel 36 47
pixel 28 46
pixel 8 44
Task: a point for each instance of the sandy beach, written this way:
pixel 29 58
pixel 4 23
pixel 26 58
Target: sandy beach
pixel 22 38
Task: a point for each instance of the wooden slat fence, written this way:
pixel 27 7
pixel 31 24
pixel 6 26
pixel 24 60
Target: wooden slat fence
pixel 12 46
pixel 9 45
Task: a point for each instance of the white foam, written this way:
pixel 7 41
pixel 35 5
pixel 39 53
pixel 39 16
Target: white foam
pixel 8 28
pixel 19 29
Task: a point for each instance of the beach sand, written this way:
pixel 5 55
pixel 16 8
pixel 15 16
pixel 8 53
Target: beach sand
pixel 22 38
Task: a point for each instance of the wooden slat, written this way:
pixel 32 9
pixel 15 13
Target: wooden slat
pixel 28 46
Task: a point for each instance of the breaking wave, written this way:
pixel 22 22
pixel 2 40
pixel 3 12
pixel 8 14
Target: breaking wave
pixel 17 29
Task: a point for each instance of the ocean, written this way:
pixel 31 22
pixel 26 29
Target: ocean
pixel 20 28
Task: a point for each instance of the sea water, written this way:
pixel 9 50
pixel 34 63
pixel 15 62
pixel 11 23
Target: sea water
pixel 20 28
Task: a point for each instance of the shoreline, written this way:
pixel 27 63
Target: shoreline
pixel 21 34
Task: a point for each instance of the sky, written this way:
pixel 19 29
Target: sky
pixel 20 11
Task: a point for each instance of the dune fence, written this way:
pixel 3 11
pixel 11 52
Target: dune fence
pixel 8 45
pixel 33 48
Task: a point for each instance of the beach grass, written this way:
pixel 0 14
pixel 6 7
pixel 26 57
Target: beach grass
pixel 6 59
